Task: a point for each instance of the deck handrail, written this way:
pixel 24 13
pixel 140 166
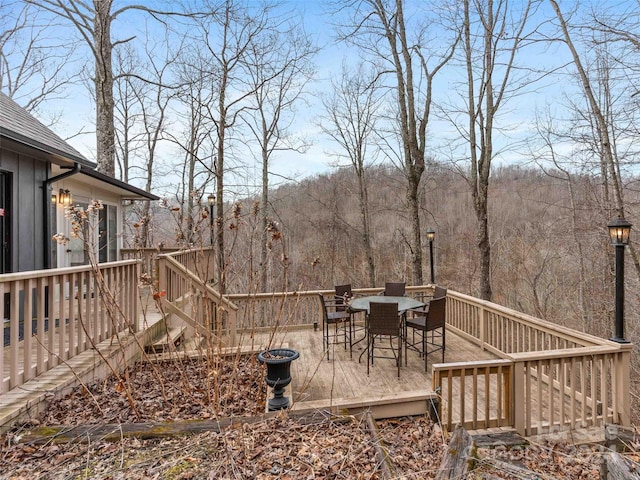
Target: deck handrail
pixel 503 330
pixel 67 315
pixel 184 283
pixel 264 311
pixel 149 258
pixel 558 378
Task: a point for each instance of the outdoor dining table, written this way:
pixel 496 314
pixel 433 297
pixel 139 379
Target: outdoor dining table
pixel 404 303
pixel 363 304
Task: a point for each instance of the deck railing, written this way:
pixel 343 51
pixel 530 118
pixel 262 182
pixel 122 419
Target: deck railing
pixel 51 316
pixel 183 278
pixel 264 311
pixel 553 378
pixel 149 258
pixel 547 378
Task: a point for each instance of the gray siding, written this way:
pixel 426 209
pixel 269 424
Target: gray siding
pixel 26 216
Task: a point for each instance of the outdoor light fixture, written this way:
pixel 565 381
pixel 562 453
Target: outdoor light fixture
pixel 54 198
pixel 212 200
pixel 431 235
pixel 619 231
pixel 64 197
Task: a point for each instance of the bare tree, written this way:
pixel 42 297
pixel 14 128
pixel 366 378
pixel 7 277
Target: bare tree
pixel 93 22
pixel 281 70
pixel 379 29
pixel 226 40
pixel 600 110
pixel 32 66
pixel 351 113
pixel 195 142
pixel 149 123
pixel 493 34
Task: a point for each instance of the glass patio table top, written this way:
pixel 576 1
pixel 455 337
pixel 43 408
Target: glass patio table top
pixel 404 303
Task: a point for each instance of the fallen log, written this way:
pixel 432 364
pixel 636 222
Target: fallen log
pixel 114 432
pixel 459 457
pixel 382 459
pixel 620 468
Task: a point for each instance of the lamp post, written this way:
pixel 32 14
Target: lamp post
pixel 212 200
pixel 619 230
pixel 431 235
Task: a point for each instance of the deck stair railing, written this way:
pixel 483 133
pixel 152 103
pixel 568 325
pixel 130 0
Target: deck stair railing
pixel 149 258
pixel 550 378
pixel 185 288
pixel 50 316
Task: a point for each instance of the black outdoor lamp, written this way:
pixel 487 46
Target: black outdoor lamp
pixel 619 230
pixel 212 200
pixel 64 197
pixel 431 235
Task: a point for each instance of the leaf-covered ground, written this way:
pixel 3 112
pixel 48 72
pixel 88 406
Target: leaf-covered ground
pixel 167 391
pixel 280 447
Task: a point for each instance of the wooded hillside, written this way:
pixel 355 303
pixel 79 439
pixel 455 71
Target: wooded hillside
pixel 537 266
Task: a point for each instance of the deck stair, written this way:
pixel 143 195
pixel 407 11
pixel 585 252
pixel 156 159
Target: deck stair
pixel 170 338
pixel 177 330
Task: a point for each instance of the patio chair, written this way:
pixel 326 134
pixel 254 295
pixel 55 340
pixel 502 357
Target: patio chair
pixel 340 320
pixel 394 289
pixel 383 321
pixel 344 292
pixel 439 292
pixel 431 330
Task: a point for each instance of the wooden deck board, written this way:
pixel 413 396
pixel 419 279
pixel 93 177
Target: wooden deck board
pixel 314 378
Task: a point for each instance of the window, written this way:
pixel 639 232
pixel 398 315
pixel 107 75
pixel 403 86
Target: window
pixel 100 236
pixel 78 254
pixel 108 231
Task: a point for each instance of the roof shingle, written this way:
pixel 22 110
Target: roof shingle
pixel 19 125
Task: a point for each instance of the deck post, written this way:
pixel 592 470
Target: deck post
pixel 135 297
pixel 517 408
pixel 622 394
pixel 232 325
pixel 484 319
pixel 161 274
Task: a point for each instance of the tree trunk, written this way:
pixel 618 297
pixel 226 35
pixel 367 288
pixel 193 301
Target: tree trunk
pixel 607 153
pixel 414 212
pixel 264 220
pixel 105 132
pixel 366 228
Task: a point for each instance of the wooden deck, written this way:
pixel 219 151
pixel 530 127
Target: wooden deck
pixel 55 343
pixel 321 383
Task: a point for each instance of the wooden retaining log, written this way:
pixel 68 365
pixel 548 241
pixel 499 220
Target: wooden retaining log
pixel 459 457
pixel 617 467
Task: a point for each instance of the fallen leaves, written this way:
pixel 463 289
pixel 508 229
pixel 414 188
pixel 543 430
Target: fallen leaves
pixel 279 447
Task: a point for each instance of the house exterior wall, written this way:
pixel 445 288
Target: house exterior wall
pixel 25 215
pixel 83 194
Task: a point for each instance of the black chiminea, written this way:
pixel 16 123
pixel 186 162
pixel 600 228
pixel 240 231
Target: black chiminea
pixel 278 362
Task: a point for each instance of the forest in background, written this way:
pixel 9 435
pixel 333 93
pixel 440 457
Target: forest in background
pixel 551 259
